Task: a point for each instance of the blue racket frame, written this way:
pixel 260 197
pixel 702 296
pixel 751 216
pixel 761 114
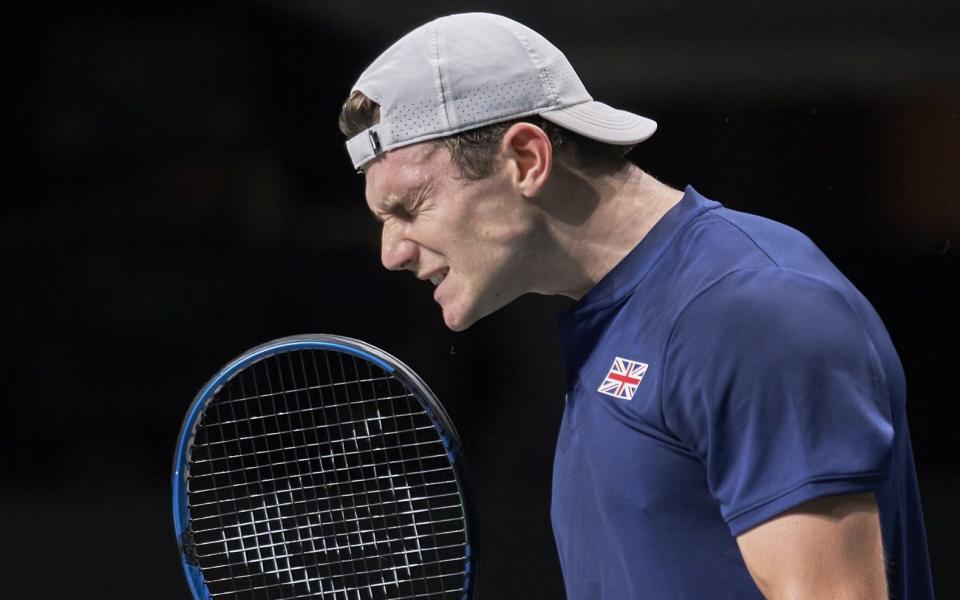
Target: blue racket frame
pixel 360 349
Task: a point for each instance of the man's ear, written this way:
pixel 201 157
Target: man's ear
pixel 528 151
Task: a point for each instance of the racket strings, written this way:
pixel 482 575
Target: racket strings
pixel 316 474
pixel 431 523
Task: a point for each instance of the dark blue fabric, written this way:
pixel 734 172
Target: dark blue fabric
pixel 770 381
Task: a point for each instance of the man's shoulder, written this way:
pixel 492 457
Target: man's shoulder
pixel 725 236
pixel 721 243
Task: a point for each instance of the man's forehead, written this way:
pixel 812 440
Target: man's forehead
pixel 404 167
pixel 406 157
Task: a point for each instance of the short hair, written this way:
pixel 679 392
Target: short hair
pixel 474 151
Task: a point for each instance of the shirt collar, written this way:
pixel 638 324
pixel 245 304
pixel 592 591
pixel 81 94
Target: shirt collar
pixel 629 272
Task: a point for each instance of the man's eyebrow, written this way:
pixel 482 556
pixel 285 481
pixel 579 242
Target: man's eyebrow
pixel 395 200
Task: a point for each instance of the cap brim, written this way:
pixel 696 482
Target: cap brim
pixel 603 123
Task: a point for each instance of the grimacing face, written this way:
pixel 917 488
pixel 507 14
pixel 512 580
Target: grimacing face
pixel 466 237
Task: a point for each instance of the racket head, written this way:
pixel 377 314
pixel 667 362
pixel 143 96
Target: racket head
pixel 322 532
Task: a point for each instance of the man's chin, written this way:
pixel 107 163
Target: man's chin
pixel 454 324
pixel 458 320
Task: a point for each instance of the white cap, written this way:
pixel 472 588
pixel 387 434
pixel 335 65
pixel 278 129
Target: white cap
pixel 465 71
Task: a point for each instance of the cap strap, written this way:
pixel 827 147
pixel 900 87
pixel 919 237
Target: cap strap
pixel 365 146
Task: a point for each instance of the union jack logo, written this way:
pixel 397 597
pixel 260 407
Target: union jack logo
pixel 623 378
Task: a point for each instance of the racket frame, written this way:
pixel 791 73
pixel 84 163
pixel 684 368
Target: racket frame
pixel 392 366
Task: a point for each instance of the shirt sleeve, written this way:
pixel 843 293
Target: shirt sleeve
pixel 773 382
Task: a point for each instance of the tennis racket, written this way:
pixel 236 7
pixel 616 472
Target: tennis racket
pixel 319 466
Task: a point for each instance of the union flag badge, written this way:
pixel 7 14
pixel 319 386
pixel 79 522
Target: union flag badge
pixel 623 378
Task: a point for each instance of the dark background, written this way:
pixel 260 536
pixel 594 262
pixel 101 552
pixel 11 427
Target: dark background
pixel 176 191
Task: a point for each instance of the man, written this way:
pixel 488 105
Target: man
pixel 734 424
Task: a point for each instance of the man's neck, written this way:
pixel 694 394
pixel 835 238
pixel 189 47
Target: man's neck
pixel 592 223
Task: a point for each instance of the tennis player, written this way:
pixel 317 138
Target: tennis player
pixel 734 423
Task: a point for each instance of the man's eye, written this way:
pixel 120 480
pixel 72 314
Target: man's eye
pixel 402 213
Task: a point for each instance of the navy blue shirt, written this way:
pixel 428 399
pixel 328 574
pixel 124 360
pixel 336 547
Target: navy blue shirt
pixel 723 372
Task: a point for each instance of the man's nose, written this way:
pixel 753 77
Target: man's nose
pixel 398 253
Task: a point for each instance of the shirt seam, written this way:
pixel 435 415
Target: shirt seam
pixel 666 347
pixel 676 322
pixel 749 237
